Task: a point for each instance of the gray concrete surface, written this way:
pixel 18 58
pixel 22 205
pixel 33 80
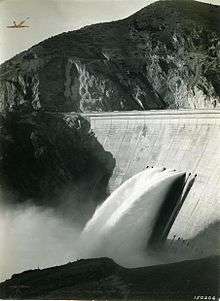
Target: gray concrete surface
pixel 184 140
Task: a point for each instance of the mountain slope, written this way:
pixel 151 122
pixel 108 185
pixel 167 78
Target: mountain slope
pixel 164 56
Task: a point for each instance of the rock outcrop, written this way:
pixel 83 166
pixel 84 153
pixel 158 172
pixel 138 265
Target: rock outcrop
pixel 164 56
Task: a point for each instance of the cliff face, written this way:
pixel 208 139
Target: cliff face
pixel 165 56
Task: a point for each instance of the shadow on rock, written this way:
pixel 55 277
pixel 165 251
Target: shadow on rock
pixel 47 157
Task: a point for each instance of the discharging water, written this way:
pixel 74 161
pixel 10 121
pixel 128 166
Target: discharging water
pixel 122 226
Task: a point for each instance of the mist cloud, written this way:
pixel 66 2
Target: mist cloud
pixel 33 237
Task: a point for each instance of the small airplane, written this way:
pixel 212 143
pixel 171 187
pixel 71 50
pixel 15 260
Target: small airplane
pixel 19 25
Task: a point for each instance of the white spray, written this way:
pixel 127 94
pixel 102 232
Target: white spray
pixel 121 227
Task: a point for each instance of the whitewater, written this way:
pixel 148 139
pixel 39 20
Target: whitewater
pixel 122 226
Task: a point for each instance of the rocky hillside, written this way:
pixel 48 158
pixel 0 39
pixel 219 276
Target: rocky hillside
pixel 46 157
pixel 164 56
pixel 103 279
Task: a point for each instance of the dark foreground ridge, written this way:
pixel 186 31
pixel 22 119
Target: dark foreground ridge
pixel 164 56
pixel 102 278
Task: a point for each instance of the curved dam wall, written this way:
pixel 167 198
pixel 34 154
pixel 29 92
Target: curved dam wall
pixel 187 141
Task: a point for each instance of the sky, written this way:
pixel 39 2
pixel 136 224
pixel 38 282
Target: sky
pixel 51 17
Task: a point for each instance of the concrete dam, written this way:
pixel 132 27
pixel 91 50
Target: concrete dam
pixel 186 141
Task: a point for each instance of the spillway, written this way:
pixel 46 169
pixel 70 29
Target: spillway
pixel 187 141
pixel 123 225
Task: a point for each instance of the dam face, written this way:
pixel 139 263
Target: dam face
pixel 187 141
